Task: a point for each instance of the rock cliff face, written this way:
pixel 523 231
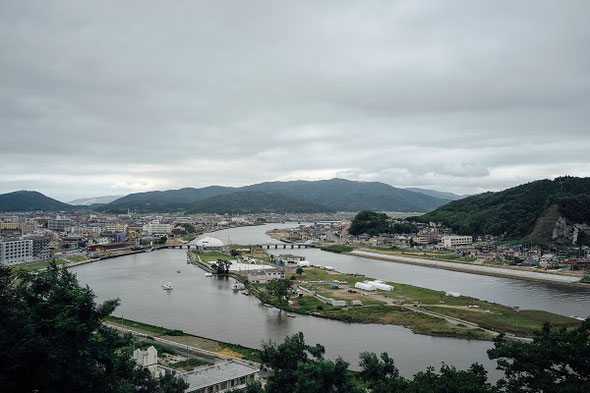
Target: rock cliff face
pixel 574 233
pixel 561 229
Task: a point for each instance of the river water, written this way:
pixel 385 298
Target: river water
pixel 208 307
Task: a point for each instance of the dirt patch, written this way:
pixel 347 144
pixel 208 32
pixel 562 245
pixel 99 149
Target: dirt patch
pixel 229 352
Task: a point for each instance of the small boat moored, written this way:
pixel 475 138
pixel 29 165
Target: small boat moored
pixel 208 274
pixel 167 287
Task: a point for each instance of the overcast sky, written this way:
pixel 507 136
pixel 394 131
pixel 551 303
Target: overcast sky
pixel 111 97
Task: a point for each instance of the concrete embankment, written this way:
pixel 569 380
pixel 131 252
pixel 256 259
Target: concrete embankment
pixel 475 269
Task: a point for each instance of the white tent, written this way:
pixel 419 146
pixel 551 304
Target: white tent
pixel 365 285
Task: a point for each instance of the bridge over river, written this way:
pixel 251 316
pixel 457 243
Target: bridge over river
pixel 268 246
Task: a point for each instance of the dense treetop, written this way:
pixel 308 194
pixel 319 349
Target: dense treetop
pixel 53 340
pixel 373 223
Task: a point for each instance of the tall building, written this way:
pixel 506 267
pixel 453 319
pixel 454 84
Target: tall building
pixel 16 251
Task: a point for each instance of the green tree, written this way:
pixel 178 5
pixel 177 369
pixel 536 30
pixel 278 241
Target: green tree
pixel 369 222
pixel 222 266
pixel 53 340
pixel 299 270
pixel 301 368
pixel 557 361
pixel 279 288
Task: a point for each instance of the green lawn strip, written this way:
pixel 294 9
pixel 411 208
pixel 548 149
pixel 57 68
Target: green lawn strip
pixel 337 248
pixel 189 364
pixel 189 238
pixel 77 258
pixel 158 330
pixel 315 274
pixel 504 319
pixel 40 265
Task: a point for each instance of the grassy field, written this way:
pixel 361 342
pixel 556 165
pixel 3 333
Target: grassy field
pixel 386 307
pixel 503 319
pixel 212 256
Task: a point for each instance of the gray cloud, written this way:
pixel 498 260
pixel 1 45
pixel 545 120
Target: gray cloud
pixel 465 96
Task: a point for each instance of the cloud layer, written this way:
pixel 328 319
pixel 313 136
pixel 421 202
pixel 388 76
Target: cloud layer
pixel 115 97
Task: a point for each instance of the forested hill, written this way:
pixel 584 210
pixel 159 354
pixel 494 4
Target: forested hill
pixel 534 209
pixel 25 201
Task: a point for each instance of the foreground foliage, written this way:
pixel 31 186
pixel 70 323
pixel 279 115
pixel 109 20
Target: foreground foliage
pixel 557 361
pixel 53 340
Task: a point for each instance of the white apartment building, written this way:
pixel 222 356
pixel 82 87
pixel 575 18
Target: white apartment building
pixel 456 241
pixel 15 252
pixel 155 228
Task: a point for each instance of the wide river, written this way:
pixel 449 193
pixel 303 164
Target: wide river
pixel 208 307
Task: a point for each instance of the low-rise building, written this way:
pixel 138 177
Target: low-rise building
pixel 456 241
pixel 220 377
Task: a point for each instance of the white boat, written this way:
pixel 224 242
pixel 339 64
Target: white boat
pixel 167 287
pixel 238 286
pixel 208 274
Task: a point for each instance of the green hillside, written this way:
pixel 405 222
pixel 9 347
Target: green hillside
pixel 528 209
pixel 25 201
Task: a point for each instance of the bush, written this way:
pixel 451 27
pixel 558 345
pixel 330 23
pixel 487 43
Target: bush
pixel 320 307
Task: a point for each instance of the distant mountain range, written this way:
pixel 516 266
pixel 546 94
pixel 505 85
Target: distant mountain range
pixel 278 197
pixel 543 210
pixel 302 196
pixel 438 194
pixel 94 200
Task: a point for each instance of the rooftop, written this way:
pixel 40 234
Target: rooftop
pixel 206 376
